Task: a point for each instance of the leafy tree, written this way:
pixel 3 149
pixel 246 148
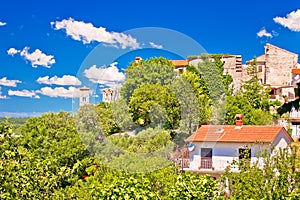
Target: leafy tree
pixel 194 186
pixel 151 71
pixel 274 178
pixel 151 103
pixel 238 104
pixel 226 78
pixel 193 76
pixel 6 129
pixel 106 119
pixel 211 73
pixel 213 76
pixel 252 101
pixel 253 91
pixel 47 155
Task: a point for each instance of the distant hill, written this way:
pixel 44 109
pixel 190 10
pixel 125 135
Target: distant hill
pixel 16 122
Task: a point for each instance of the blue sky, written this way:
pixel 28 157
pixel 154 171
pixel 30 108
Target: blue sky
pixel 49 50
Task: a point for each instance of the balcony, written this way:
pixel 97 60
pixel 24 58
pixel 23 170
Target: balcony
pixel 206 163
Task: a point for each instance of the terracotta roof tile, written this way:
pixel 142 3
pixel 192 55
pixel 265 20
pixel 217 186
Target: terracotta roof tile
pixel 296 70
pixel 180 63
pixel 231 133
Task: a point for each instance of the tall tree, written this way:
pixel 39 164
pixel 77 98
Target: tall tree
pixel 150 71
pixel 255 93
pixel 156 104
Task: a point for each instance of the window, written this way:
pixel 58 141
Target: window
pixel 259 68
pixel 180 70
pixel 206 152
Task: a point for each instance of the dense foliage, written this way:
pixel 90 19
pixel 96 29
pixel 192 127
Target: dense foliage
pixel 48 161
pixel 274 178
pixel 108 151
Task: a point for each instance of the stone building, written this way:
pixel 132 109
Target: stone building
pixel 84 96
pixel 275 69
pixel 276 66
pixel 232 66
pixel 110 94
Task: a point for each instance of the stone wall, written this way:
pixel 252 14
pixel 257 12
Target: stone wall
pixel 279 64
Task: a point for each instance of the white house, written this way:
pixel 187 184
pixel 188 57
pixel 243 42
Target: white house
pixel 214 147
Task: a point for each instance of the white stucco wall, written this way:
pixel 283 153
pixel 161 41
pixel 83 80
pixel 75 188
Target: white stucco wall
pixel 280 142
pixel 223 154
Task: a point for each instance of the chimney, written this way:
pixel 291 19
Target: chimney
pixel 138 59
pixel 239 120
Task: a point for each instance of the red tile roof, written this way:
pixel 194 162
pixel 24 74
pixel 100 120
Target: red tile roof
pixel 232 133
pixel 296 70
pixel 180 63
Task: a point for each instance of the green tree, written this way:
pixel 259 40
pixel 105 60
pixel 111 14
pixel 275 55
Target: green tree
pixel 194 186
pixel 152 103
pixel 106 119
pixel 150 71
pixel 254 91
pixel 252 101
pixel 238 104
pixel 274 178
pixel 46 156
pixel 212 74
pixel 193 76
pixel 226 78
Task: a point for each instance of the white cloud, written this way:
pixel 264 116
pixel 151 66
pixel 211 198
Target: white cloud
pixel 264 33
pixel 23 93
pixel 64 80
pixel 291 21
pixel 2 96
pixel 87 33
pixel 2 23
pixel 70 92
pixel 12 51
pixel 36 58
pixel 109 76
pixel 9 83
pixel 157 46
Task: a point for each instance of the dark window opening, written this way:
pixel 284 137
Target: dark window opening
pixel 206 152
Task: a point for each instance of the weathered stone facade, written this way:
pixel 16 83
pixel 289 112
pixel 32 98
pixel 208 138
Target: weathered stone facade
pixel 274 69
pixel 279 64
pixel 110 94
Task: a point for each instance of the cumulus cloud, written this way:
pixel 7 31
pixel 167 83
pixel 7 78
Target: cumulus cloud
pixel 9 83
pixel 12 51
pixel 70 92
pixel 2 23
pixel 291 21
pixel 23 93
pixel 109 76
pixel 64 80
pixel 264 33
pixel 87 33
pixel 157 46
pixel 36 58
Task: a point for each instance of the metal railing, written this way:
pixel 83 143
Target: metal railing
pixel 206 163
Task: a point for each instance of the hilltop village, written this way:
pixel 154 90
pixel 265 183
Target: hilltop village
pixel 114 148
pixel 277 69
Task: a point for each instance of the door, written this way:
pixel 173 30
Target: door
pixel 206 158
